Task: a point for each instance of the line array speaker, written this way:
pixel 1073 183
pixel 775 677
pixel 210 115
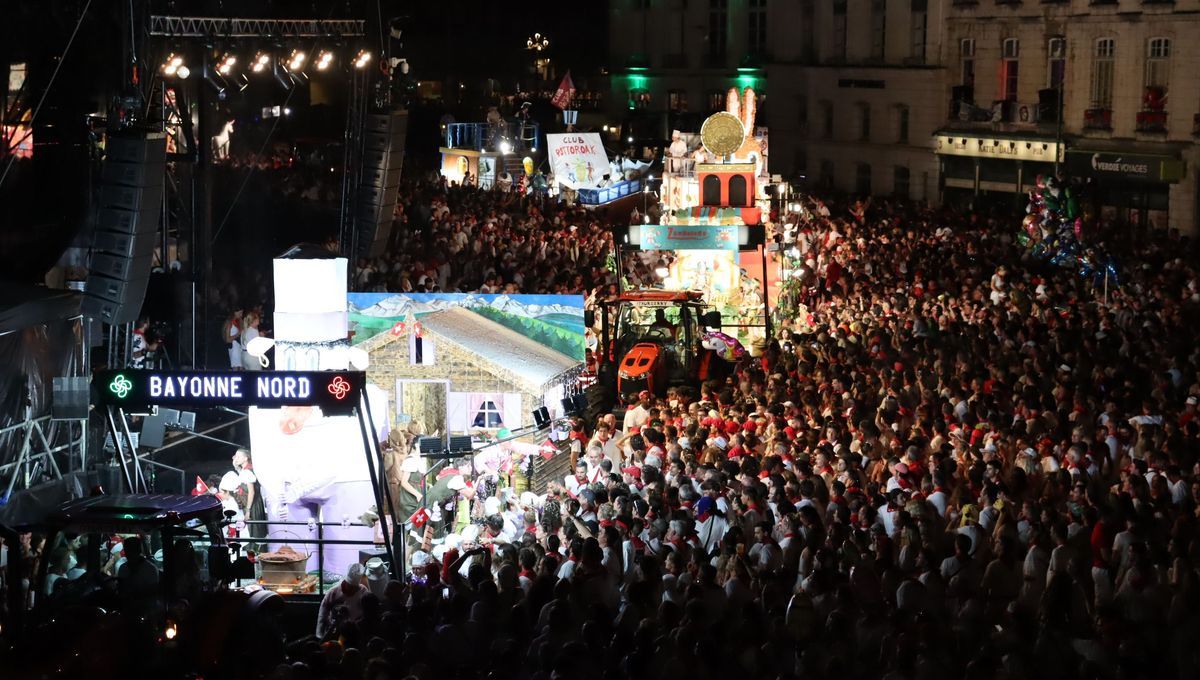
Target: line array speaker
pixel 379 180
pixel 130 198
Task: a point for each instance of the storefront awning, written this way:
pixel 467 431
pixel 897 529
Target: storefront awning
pixel 1120 166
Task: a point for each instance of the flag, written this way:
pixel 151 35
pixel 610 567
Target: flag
pixel 548 449
pixel 419 518
pixel 201 487
pixel 564 94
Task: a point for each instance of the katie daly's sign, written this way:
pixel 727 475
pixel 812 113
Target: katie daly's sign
pixel 331 390
pixel 578 159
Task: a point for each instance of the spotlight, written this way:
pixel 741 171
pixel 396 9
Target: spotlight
pixel 296 61
pixel 662 272
pixel 629 139
pixel 324 59
pixel 505 147
pixel 183 72
pixel 362 59
pixel 260 63
pixel 172 65
pixel 226 63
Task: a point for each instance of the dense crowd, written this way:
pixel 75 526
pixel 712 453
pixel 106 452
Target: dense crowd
pixel 954 460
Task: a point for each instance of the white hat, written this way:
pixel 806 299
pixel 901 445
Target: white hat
pixel 719 442
pixel 457 483
pixel 354 573
pixel 376 569
pixel 421 558
pixel 470 533
pixel 453 540
pixel 529 500
pixel 439 551
pixel 491 506
pixel 229 482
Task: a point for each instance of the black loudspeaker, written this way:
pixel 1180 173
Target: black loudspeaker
pixel 379 180
pixel 428 445
pixel 130 198
pixel 460 444
pixel 69 398
pixel 541 416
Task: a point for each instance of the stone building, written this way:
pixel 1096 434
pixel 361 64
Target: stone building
pixel 1121 73
pixel 466 373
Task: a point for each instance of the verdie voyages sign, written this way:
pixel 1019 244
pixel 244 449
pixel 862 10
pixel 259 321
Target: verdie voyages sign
pixel 332 391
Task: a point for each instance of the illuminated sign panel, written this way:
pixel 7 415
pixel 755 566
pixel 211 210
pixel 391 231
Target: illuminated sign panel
pixel 331 390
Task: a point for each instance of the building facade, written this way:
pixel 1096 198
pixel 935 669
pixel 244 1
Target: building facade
pixel 1120 74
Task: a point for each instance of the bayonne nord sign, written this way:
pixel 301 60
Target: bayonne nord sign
pixel 331 390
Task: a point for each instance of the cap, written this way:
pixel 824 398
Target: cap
pixel 633 471
pixel 376 569
pixel 230 481
pixel 901 469
pixel 420 558
pixel 491 506
pixel 354 573
pixel 644 394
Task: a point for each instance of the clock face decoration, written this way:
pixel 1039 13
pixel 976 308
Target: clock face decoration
pixel 722 133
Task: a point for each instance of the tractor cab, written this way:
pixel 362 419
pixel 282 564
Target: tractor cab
pixel 656 340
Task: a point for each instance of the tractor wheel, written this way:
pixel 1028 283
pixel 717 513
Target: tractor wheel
pixel 601 398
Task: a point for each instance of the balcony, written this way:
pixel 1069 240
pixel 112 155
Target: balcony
pixel 486 137
pixel 1152 121
pixel 1097 119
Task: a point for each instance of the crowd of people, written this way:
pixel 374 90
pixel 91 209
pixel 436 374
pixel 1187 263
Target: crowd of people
pixel 953 460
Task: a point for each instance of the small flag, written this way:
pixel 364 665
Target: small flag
pixel 201 487
pixel 564 93
pixel 398 328
pixel 419 518
pixel 548 449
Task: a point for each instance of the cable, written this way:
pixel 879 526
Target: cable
pixel 50 84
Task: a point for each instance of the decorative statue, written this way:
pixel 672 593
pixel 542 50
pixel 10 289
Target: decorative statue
pixel 746 110
pixel 726 347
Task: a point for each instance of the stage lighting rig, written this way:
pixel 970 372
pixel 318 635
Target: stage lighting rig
pixel 324 59
pixel 295 62
pixel 226 63
pixel 362 59
pixel 174 66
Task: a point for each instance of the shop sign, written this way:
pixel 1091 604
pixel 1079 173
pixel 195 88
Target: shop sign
pixel 987 147
pixel 331 390
pixel 1125 166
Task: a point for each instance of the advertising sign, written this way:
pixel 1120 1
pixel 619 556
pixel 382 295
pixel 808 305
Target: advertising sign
pixel 681 237
pixel 333 391
pixel 1125 166
pixel 578 159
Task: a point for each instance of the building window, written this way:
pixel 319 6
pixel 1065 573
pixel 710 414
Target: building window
pixel 1009 69
pixel 839 30
pixel 862 179
pixel 807 18
pixel 716 100
pixel 878 29
pixel 1158 60
pixel 718 27
pixel 920 30
pixel 802 111
pixel 864 122
pixel 902 124
pixel 826 173
pixel 900 181
pixel 420 350
pixel 966 54
pixel 677 100
pixel 1103 56
pixel 639 99
pixel 757 40
pixel 1056 52
pixel 827 120
pixel 488 416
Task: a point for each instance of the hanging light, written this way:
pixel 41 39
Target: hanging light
pixel 261 61
pixel 324 59
pixel 295 61
pixel 172 64
pixel 362 59
pixel 226 63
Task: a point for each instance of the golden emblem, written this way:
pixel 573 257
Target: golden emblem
pixel 722 133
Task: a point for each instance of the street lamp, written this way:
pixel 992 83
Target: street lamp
pixel 537 43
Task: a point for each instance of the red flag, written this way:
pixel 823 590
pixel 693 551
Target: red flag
pixel 201 487
pixel 419 518
pixel 548 449
pixel 564 94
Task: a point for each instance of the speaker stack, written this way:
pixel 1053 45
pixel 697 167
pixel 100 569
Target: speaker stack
pixel 382 161
pixel 131 194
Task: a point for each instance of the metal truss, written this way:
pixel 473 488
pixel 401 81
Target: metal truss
pixel 220 27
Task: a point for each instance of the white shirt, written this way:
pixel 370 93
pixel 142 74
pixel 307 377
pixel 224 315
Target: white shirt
pixel 637 417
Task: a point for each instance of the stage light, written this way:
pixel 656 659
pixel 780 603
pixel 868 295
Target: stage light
pixel 296 61
pixel 505 147
pixel 261 61
pixel 629 139
pixel 362 59
pixel 324 59
pixel 183 72
pixel 662 272
pixel 226 63
pixel 172 64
